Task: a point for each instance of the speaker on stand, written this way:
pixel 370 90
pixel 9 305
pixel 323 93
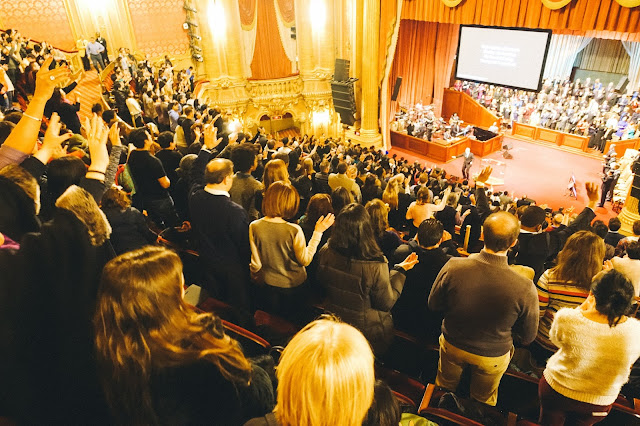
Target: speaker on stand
pixel 396 89
pixel 343 93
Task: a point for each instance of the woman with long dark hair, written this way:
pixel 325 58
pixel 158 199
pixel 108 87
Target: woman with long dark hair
pixel 386 237
pixel 160 361
pixel 567 285
pixel 360 288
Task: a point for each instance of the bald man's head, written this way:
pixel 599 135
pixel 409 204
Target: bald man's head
pixel 500 231
pixel 217 170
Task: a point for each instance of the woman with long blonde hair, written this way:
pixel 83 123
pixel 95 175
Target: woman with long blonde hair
pixel 398 200
pixel 160 361
pixel 567 285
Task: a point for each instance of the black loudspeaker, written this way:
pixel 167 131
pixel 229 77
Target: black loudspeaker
pixel 396 89
pixel 622 85
pixel 341 72
pixel 344 100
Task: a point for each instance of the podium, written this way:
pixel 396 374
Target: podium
pixel 499 171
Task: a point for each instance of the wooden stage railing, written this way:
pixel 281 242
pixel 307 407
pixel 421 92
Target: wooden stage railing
pixel 467 108
pixel 554 137
pixel 622 146
pixel 443 152
pixel 575 142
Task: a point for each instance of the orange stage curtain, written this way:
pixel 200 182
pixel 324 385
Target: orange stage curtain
pixel 583 15
pixel 247 12
pixel 287 10
pixel 424 60
pixel 269 59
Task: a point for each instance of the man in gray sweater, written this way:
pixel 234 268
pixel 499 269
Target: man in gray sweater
pixel 486 306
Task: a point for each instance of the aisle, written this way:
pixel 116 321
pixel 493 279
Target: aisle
pixel 540 172
pixel 88 92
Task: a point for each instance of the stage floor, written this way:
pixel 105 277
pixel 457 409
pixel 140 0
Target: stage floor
pixel 538 171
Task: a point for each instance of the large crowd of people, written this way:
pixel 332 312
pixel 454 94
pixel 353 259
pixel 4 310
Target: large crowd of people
pixel 95 328
pixel 586 108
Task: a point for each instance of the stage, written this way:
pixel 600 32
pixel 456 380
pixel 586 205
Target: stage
pixel 538 171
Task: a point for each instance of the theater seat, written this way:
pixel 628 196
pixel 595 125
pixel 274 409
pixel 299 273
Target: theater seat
pixel 518 393
pixel 276 329
pixel 429 409
pixel 411 390
pixel 252 344
pixel 413 356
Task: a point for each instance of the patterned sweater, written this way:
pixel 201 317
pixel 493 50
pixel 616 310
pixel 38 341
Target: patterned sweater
pixel 553 295
pixel 594 360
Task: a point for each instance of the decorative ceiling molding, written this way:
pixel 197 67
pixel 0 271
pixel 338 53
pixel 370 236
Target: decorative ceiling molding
pixel 628 3
pixel 555 4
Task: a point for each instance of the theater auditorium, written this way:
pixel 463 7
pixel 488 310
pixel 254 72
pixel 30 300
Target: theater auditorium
pixel 319 212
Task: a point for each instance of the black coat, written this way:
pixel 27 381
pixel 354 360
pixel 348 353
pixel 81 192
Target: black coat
pixel 129 229
pixel 51 375
pixel 361 293
pixel 411 313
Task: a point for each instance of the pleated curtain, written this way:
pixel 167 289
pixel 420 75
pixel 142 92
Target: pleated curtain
pixel 248 10
pixel 424 59
pixel 563 51
pixel 286 17
pixel 633 49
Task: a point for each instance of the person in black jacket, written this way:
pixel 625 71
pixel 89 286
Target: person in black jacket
pixel 221 228
pixel 410 313
pixel 535 248
pixel 128 225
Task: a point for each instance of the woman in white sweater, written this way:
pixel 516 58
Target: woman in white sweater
pixel 597 344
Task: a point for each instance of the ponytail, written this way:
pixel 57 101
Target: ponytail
pixel 614 295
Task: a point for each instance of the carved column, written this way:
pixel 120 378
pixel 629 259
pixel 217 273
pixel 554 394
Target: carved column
pixel 224 66
pixel 370 80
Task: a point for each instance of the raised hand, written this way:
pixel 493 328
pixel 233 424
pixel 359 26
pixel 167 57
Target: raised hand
pixel 484 174
pixel 211 139
pixel 47 80
pixel 52 140
pixel 325 222
pixel 592 191
pixel 97 140
pixel 114 135
pixel 409 262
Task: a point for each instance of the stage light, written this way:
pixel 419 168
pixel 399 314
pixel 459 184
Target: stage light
pixel 234 126
pixel 318 11
pixel 321 117
pixel 217 19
